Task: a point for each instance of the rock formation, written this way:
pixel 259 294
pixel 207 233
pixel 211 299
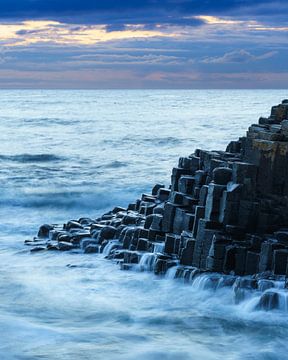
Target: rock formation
pixel 224 212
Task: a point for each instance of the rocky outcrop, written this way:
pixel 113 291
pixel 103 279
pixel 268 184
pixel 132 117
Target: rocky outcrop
pixel 224 212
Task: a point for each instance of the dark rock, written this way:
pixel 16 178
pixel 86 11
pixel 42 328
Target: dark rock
pixel 234 231
pixel 225 211
pixel 264 284
pixel 190 163
pixel 168 217
pixel 85 221
pixel 188 221
pixel 44 230
pixel 234 147
pixel 156 188
pixel 148 221
pixel 148 198
pixel 73 225
pixel 213 201
pixel 242 286
pixel 214 264
pixel 52 247
pixel 228 210
pixel 172 244
pixel 131 257
pixel 279 112
pixel 65 246
pixel 128 237
pixel 203 195
pixel 240 260
pixel 178 223
pixel 91 249
pixel 144 233
pixel 130 219
pixel 86 242
pixel 199 214
pixel 118 209
pixel 280 258
pixel 252 263
pixel 142 245
pixel 268 301
pixel 153 234
pixel 163 194
pixel 146 208
pixel 176 198
pixel 176 174
pixel 282 237
pixel 162 265
pixel 132 207
pixel 186 184
pixel 203 243
pixel 248 215
pixel 159 209
pixel 243 171
pixel 222 175
pixel 265 121
pixel 217 252
pixel 76 238
pixel 186 257
pixel 106 233
pixel 156 224
pixel 229 259
pixel 38 248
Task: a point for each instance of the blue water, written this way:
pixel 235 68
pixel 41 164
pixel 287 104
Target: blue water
pixel 67 154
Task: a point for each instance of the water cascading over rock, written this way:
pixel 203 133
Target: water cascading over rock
pixel 224 212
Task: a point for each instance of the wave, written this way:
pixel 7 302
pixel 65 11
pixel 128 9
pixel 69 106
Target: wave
pixel 112 165
pixel 69 200
pixel 162 141
pixel 27 158
pixel 49 121
pixel 157 141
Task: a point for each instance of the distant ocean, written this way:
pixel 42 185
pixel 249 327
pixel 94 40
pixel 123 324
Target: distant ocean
pixel 67 154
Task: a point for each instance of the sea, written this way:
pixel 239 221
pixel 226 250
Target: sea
pixel 66 154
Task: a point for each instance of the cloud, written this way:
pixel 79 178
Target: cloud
pixel 237 56
pixel 139 11
pixel 33 32
pixel 147 43
pixel 4 57
pixel 126 59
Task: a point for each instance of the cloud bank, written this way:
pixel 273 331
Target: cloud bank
pixel 148 43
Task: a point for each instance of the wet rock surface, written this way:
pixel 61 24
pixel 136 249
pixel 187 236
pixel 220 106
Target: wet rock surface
pixel 225 212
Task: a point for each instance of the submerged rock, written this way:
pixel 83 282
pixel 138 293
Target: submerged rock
pixel 268 301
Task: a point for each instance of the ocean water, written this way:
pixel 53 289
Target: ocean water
pixel 67 154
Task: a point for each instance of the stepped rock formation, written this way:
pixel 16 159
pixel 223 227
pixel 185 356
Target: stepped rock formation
pixel 225 212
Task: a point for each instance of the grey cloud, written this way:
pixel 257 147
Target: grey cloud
pixel 237 56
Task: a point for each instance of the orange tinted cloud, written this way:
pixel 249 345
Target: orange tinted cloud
pixel 35 32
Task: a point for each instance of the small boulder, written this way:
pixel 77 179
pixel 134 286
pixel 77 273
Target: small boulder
pixel 44 231
pixel 106 233
pixel 91 249
pixel 65 246
pixel 38 248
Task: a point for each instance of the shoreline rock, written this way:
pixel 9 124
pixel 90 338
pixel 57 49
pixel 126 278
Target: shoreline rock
pixel 225 212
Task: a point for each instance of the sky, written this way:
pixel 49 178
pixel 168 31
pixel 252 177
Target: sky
pixel 169 44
